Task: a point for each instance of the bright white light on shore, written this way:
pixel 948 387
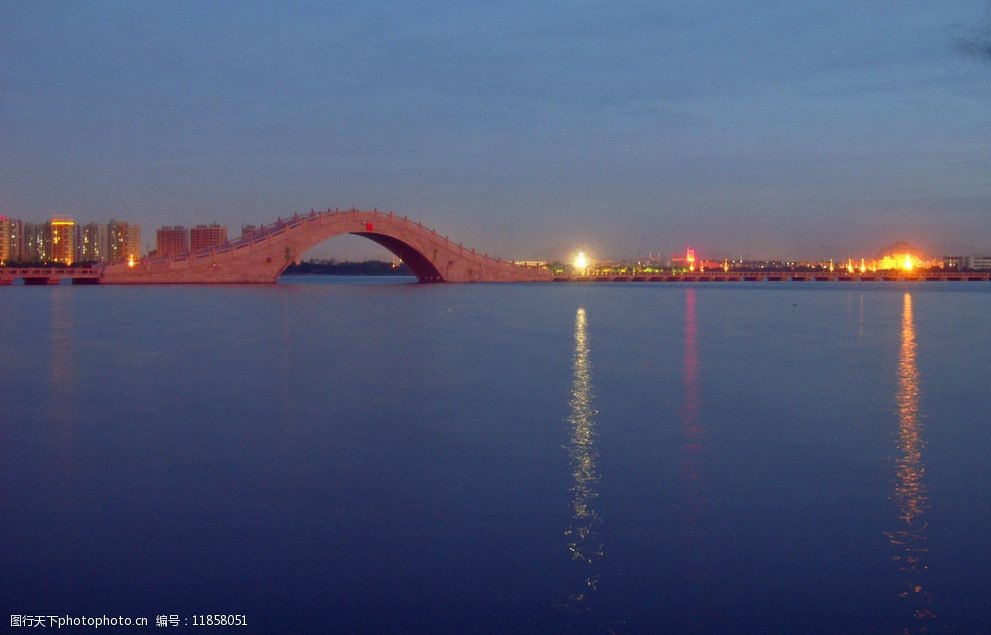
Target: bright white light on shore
pixel 581 262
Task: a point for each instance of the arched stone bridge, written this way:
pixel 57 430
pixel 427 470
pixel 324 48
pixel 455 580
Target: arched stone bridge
pixel 264 254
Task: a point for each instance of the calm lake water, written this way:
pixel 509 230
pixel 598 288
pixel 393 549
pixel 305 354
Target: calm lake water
pixel 329 455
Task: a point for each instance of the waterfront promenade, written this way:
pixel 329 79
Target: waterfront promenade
pixel 786 276
pixel 94 275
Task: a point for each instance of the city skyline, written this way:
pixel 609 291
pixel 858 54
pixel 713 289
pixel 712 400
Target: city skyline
pixel 26 241
pixel 528 131
pixel 63 241
pixel 203 255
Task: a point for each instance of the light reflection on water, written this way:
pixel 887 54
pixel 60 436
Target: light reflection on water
pixel 860 321
pixel 582 535
pixel 63 377
pixel 278 434
pixel 692 434
pixel 909 536
pixel 691 430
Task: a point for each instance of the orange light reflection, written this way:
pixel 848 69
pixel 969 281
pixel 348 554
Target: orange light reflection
pixel 583 541
pixel 909 537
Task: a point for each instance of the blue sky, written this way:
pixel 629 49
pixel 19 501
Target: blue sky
pixel 523 129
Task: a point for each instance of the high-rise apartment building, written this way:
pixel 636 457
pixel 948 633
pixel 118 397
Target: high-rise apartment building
pixel 123 242
pixel 14 238
pixel 91 243
pixel 6 229
pixel 116 241
pixel 133 242
pixel 37 243
pixel 206 236
pixel 62 232
pixel 172 241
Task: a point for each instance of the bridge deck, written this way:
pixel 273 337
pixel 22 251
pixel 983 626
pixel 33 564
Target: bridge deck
pixel 50 275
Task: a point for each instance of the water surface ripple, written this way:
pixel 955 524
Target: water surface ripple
pixel 359 455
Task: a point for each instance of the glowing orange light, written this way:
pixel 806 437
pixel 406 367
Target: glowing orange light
pixel 130 260
pixel 907 265
pixel 581 263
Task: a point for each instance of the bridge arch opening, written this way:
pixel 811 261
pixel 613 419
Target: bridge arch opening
pixel 420 266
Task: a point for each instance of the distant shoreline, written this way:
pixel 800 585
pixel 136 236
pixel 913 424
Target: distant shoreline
pixel 334 268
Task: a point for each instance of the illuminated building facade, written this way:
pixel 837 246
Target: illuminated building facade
pixel 37 243
pixel 117 241
pixel 16 239
pixel 172 241
pixel 91 243
pixel 8 240
pixel 954 262
pixel 692 262
pixel 63 240
pixel 124 242
pixel 133 242
pixel 206 236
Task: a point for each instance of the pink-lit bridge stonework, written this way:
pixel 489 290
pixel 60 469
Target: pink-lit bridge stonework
pixel 263 255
